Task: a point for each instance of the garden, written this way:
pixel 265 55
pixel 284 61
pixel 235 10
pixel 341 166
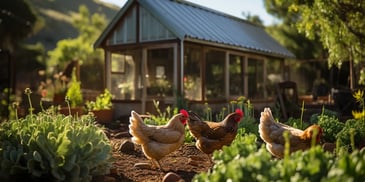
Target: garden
pixel 69 140
pixel 64 147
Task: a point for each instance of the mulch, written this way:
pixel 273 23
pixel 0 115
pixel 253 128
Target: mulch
pixel 185 162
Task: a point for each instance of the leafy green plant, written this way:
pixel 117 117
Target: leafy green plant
pixel 352 127
pixel 188 137
pixel 296 123
pixel 53 147
pixel 331 127
pixel 316 117
pixel 348 167
pixel 162 117
pixel 244 161
pixel 6 108
pixel 243 145
pixel 74 93
pixel 250 124
pixel 102 101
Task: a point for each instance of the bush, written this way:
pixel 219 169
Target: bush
pixel 331 127
pixel 53 147
pixel 297 123
pixel 315 117
pixel 250 124
pixel 357 129
pixel 74 93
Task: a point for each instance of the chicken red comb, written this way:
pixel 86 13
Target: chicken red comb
pixel 184 112
pixel 239 112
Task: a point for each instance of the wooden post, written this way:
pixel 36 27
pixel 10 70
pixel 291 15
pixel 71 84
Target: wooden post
pixel 351 74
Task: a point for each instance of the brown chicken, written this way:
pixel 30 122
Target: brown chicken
pixel 211 136
pixel 272 134
pixel 158 141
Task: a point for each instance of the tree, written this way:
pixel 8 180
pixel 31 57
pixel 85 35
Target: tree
pixel 81 48
pixel 310 56
pixel 17 21
pixel 339 24
pixel 253 18
pixel 289 36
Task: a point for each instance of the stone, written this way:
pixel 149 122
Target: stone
pixel 126 147
pixel 172 177
pixel 143 165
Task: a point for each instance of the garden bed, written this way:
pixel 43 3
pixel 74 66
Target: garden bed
pixel 183 161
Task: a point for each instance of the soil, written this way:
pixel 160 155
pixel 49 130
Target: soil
pixel 186 162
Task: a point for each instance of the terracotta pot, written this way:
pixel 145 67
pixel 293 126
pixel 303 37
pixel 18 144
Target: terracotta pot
pixel 103 115
pixel 75 111
pixel 59 99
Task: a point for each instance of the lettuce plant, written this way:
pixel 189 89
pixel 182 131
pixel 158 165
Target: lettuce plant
pixel 53 147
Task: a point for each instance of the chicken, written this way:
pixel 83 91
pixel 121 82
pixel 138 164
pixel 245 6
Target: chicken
pixel 211 136
pixel 272 134
pixel 158 141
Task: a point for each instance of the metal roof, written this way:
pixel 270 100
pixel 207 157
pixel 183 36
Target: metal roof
pixel 190 21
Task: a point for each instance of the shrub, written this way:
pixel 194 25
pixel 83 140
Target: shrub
pixel 315 117
pixel 297 123
pixel 53 147
pixel 357 129
pixel 74 93
pixel 250 124
pixel 331 127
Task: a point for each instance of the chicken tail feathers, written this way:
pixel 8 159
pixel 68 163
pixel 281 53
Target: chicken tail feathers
pixel 136 127
pixel 265 126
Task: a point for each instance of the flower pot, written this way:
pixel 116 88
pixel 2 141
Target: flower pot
pixel 59 99
pixel 103 115
pixel 75 111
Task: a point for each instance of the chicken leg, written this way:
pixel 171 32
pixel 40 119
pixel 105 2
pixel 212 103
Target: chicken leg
pixel 157 164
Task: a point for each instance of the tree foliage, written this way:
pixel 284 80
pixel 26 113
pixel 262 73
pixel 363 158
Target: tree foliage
pixel 17 21
pixel 339 24
pixel 79 48
pixel 298 44
pixel 288 35
pixel 253 18
pixel 335 30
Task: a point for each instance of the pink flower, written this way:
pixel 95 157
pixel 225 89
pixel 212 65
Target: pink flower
pixel 44 92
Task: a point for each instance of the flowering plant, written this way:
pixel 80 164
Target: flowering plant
pixel 51 87
pixel 359 97
pixel 60 84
